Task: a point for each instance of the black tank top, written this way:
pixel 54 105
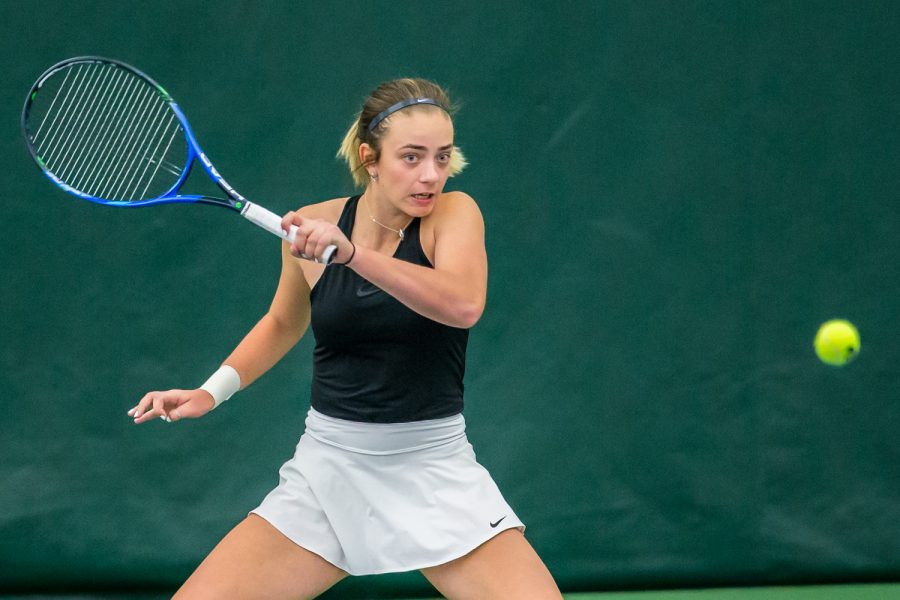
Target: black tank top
pixel 375 359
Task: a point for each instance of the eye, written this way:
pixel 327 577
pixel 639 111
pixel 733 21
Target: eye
pixel 444 157
pixel 410 158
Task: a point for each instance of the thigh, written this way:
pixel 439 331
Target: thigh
pixel 506 566
pixel 256 561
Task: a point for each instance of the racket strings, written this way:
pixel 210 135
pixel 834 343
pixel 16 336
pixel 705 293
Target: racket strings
pixel 107 133
pixel 70 154
pixel 87 154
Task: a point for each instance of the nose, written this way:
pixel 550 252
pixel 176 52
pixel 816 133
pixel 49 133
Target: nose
pixel 429 173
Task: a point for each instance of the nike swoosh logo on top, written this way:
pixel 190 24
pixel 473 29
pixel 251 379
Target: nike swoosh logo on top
pixel 497 523
pixel 365 291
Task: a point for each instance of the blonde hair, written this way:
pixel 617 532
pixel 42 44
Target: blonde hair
pixel 384 96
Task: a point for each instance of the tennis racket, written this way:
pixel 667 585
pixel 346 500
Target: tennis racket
pixel 105 132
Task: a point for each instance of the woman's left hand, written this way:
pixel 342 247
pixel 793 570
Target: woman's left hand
pixel 314 235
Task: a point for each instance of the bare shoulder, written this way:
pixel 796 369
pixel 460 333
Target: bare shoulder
pixel 329 210
pixel 455 222
pixel 454 206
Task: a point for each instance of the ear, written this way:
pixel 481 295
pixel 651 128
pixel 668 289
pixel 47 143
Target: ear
pixel 366 153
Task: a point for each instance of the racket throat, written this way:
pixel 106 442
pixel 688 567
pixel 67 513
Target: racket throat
pixel 238 201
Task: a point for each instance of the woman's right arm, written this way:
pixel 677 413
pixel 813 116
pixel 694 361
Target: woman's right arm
pixel 270 339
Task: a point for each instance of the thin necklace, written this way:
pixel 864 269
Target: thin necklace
pixel 399 232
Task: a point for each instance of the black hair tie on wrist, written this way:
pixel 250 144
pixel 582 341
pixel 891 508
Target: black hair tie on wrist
pixel 352 254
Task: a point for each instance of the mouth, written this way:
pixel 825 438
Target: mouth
pixel 423 198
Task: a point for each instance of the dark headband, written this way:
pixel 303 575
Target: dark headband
pixel 400 105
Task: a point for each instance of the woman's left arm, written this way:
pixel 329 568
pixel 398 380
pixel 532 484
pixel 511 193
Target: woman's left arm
pixel 454 291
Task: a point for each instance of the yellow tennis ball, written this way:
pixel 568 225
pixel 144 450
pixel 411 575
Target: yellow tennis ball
pixel 837 342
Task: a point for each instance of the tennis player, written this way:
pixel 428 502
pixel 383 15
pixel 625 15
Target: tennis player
pixel 383 478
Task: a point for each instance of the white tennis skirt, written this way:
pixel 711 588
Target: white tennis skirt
pixel 381 498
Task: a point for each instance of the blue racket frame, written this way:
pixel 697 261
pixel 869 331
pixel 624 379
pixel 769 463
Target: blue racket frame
pixel 233 200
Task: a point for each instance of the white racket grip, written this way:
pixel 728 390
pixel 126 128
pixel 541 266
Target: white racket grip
pixel 271 222
pixel 267 220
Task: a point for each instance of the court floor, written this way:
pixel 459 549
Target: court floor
pixel 824 592
pixel 819 592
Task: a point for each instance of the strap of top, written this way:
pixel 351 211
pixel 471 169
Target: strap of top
pixel 410 248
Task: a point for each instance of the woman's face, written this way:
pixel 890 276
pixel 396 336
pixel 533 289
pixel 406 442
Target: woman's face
pixel 415 160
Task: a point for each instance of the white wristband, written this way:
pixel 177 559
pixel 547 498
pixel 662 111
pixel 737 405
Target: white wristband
pixel 222 384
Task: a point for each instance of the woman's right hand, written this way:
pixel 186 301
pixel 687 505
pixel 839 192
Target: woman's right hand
pixel 313 236
pixel 172 405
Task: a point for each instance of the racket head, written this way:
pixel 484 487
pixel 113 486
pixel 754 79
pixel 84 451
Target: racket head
pixel 106 132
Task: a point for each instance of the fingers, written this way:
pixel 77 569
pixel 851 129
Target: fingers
pixel 145 410
pixel 313 236
pixel 156 405
pixel 321 244
pixel 140 410
pixel 312 232
pixel 172 405
pixel 173 415
pixel 291 218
